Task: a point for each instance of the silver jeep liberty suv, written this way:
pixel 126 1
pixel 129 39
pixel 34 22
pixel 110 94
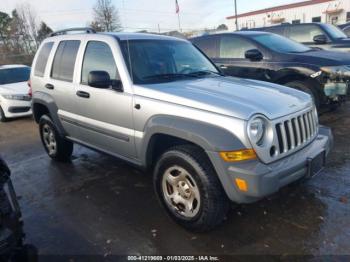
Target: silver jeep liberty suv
pixel 159 103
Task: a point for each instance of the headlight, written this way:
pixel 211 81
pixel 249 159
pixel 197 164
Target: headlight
pixel 17 97
pixel 336 71
pixel 256 130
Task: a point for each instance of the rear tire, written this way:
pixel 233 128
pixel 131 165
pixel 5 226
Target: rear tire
pixel 189 189
pixel 303 86
pixel 2 116
pixel 56 146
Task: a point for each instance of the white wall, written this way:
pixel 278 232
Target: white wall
pixel 304 14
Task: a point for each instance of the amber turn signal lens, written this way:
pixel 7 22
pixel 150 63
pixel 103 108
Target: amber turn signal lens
pixel 241 184
pixel 238 155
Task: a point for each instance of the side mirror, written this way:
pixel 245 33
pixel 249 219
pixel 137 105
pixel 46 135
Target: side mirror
pixel 99 79
pixel 117 85
pixel 320 39
pixel 253 55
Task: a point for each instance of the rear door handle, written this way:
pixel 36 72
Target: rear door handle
pixel 49 86
pixel 223 67
pixel 83 94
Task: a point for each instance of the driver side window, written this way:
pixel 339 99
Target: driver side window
pixel 98 57
pixel 234 47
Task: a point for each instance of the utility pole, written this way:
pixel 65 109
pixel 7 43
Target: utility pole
pixel 236 15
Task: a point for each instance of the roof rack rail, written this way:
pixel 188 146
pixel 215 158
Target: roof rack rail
pixel 88 30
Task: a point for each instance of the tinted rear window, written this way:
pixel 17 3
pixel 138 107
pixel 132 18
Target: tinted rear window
pixel 41 61
pixel 64 61
pixel 14 75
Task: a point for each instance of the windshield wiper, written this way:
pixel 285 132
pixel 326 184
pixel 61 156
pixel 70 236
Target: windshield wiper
pixel 204 72
pixel 168 76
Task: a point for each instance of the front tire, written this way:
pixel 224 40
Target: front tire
pixel 189 189
pixel 56 146
pixel 2 115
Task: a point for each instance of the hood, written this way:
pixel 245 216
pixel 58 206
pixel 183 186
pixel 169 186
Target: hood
pixel 235 97
pixel 20 88
pixel 322 58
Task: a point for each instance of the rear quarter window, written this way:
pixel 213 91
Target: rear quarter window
pixel 41 61
pixel 64 61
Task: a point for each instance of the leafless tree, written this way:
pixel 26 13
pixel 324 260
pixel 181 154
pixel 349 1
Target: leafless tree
pixel 106 16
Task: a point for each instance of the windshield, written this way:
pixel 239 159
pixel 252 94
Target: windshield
pixel 334 31
pixel 280 44
pixel 156 61
pixel 14 75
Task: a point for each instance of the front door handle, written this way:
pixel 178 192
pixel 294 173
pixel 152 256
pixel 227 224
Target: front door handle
pixel 83 94
pixel 223 67
pixel 49 86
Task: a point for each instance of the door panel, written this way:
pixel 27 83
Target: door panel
pixel 60 83
pixel 105 115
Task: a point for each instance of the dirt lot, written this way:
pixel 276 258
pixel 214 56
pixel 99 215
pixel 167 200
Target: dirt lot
pixel 99 205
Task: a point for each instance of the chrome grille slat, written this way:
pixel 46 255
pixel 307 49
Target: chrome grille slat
pixel 291 134
pixel 297 127
pixel 311 123
pixel 302 127
pixel 284 138
pixel 307 127
pixel 296 131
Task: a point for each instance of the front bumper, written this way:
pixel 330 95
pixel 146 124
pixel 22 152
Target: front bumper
pixel 16 108
pixel 266 179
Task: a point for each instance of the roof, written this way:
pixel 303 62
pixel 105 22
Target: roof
pixel 144 36
pixel 11 66
pixel 120 35
pixel 280 7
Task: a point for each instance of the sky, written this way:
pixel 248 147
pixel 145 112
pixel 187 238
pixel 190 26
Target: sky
pixel 138 15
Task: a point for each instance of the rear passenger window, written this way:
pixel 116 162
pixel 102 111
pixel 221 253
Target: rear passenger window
pixel 41 61
pixel 234 47
pixel 98 57
pixel 64 61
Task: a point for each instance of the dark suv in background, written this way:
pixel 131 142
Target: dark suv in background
pixel 321 35
pixel 345 28
pixel 269 57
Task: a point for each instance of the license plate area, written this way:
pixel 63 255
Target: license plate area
pixel 316 164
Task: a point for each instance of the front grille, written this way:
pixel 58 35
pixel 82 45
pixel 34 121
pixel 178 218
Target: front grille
pixel 296 131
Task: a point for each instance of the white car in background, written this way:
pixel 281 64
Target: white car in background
pixel 15 100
